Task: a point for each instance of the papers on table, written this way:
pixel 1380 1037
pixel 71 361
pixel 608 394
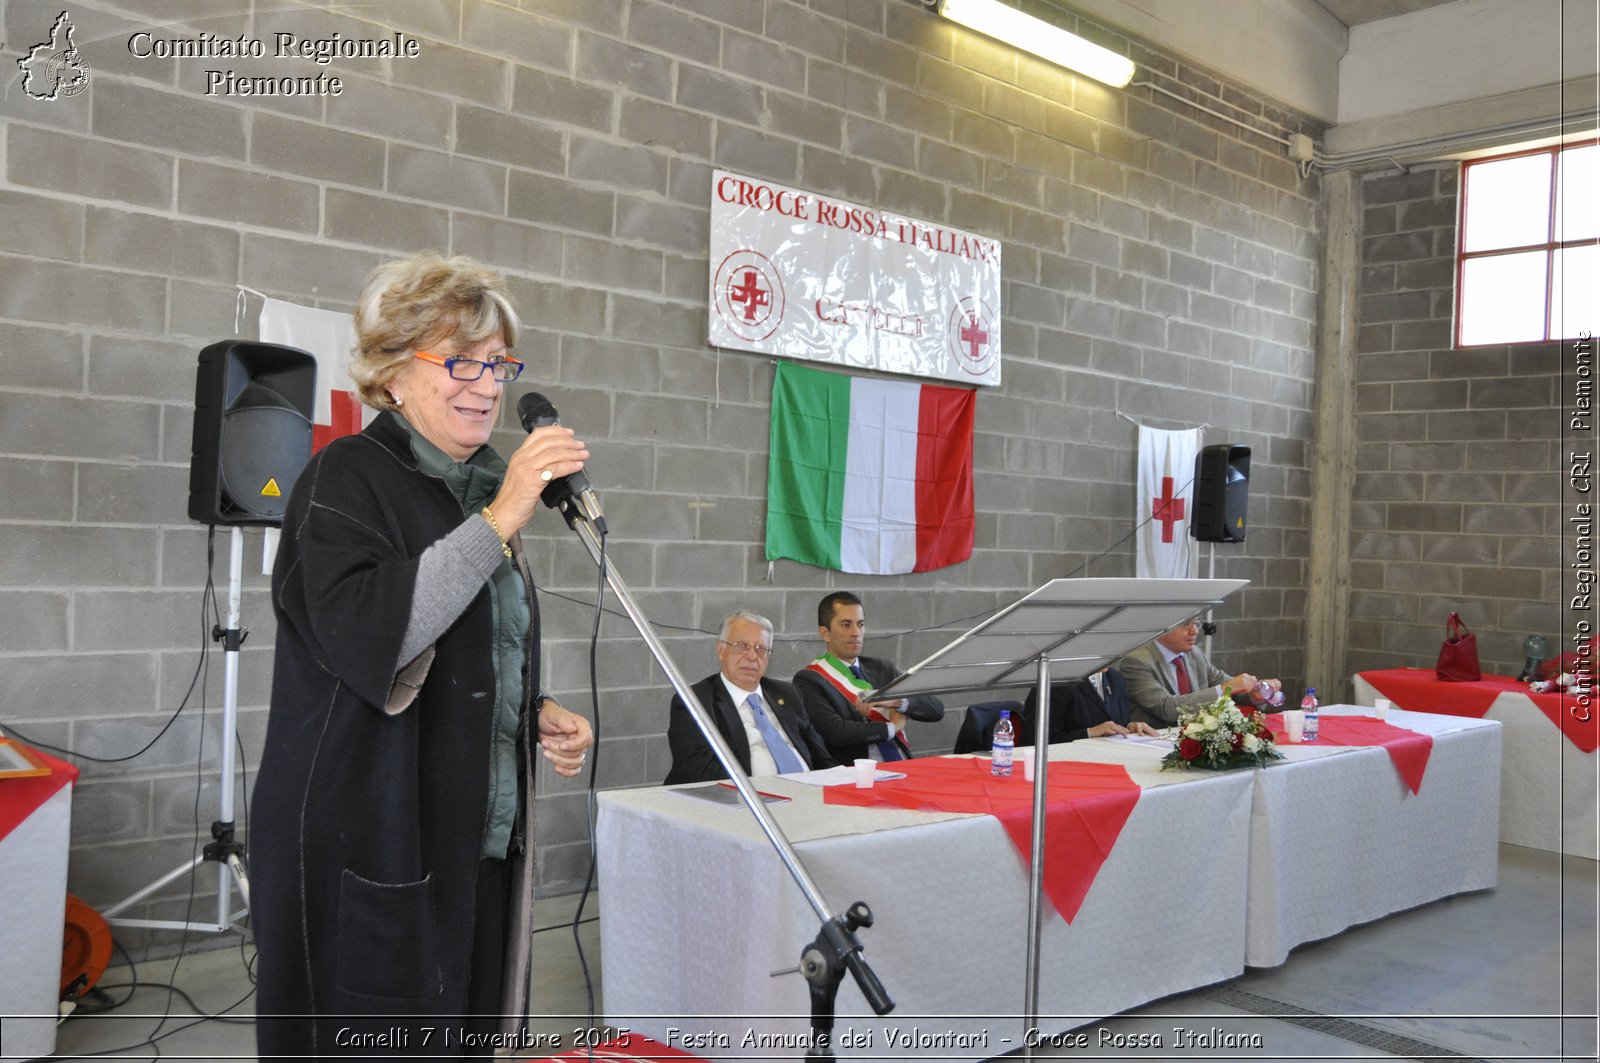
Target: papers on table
pixel 839 776
pixel 723 793
pixel 1161 742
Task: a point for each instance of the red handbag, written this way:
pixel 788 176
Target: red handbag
pixel 1458 657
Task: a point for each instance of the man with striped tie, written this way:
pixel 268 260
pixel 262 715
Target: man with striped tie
pixel 762 720
pixel 1172 674
pixel 832 684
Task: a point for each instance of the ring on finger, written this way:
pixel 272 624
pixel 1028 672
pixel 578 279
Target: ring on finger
pixel 545 475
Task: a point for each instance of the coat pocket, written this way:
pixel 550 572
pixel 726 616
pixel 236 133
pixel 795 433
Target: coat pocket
pixel 387 945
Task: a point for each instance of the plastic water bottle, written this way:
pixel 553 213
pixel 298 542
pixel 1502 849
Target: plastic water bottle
pixel 1308 705
pixel 1005 744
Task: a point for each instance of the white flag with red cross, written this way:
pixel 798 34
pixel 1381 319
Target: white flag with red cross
pixel 331 338
pixel 1163 504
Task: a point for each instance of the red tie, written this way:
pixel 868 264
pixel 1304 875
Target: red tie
pixel 1184 686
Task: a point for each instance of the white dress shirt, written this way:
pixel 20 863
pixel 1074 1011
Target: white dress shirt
pixel 761 762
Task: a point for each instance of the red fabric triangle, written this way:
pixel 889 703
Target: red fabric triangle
pixel 1086 807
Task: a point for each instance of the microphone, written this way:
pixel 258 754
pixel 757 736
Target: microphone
pixel 572 495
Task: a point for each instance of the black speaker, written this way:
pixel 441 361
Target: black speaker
pixel 1221 493
pixel 253 404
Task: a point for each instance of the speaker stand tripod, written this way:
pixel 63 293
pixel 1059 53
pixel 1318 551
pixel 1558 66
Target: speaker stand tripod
pixel 226 852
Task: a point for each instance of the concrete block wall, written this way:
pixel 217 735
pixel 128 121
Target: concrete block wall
pixel 1159 264
pixel 1458 462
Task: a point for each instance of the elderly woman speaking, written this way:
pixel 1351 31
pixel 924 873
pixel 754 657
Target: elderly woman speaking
pixel 391 863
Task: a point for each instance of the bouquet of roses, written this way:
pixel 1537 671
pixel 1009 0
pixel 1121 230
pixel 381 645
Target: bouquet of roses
pixel 1222 735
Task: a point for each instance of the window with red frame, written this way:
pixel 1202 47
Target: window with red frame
pixel 1528 254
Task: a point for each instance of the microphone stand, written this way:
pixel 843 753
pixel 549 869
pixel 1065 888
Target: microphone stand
pixel 835 949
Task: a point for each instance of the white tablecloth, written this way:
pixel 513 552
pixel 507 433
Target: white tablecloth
pixel 697 911
pixel 1337 838
pixel 33 899
pixel 1548 786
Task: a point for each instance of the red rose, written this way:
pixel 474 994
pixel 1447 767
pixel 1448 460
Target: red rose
pixel 1238 741
pixel 1188 749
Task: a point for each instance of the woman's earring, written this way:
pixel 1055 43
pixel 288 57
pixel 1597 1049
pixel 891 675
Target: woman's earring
pixel 398 402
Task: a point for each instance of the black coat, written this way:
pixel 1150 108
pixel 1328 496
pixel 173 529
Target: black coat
pixel 692 758
pixel 1076 706
pixel 370 804
pixel 842 726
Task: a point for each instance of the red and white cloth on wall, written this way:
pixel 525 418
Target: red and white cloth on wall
pixel 1163 504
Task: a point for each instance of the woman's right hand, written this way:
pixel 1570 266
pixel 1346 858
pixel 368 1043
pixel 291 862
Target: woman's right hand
pixel 547 454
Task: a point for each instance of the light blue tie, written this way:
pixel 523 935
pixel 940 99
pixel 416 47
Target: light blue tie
pixel 786 759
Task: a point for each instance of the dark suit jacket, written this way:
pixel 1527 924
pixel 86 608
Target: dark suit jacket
pixel 846 731
pixel 1076 706
pixel 1153 685
pixel 692 758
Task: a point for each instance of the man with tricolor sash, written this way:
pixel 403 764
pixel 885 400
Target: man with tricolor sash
pixel 831 687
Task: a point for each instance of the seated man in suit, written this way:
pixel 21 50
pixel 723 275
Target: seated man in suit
pixel 762 720
pixel 831 686
pixel 1088 708
pixel 1170 675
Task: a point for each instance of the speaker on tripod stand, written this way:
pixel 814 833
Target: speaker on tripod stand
pixel 253 404
pixel 253 407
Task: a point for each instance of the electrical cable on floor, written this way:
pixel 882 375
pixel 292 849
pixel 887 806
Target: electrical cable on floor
pixel 209 614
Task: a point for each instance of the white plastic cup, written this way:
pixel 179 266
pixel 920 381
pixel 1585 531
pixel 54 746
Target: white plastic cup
pixel 1294 721
pixel 866 773
pixel 1381 706
pixel 1026 756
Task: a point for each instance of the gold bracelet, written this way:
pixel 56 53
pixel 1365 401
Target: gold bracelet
pixel 488 515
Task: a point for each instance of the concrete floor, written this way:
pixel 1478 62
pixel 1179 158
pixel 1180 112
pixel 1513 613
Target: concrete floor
pixel 1507 974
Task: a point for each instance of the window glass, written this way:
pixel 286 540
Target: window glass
pixel 1578 194
pixel 1502 298
pixel 1528 261
pixel 1575 291
pixel 1508 203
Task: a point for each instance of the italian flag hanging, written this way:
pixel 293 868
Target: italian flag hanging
pixel 869 476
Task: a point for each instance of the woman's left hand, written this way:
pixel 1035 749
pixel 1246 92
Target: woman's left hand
pixel 564 737
pixel 1139 727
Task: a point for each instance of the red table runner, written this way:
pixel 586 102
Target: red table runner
pixel 1408 749
pixel 1086 806
pixel 1420 690
pixel 20 797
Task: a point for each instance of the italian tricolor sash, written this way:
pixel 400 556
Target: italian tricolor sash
pixel 838 673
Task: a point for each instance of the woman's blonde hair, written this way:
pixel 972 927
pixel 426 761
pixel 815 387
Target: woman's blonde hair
pixel 422 301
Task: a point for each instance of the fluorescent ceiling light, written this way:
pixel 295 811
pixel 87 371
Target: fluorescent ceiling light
pixel 1034 35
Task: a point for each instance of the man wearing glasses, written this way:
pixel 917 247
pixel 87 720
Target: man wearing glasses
pixel 762 720
pixel 1172 674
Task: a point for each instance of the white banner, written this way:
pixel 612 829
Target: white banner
pixel 1163 504
pixel 806 276
pixel 331 338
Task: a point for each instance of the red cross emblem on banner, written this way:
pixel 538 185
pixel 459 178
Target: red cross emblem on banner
pixel 1166 509
pixel 750 294
pixel 975 336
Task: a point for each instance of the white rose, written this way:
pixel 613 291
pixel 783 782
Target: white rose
pixel 1251 743
pixel 1208 722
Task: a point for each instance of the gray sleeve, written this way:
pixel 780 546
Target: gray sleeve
pixel 450 574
